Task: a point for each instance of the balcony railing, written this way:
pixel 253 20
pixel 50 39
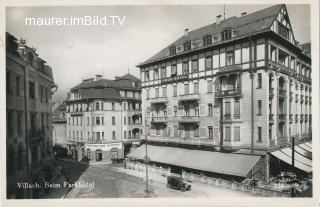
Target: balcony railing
pixel 135 125
pixel 291 96
pixel 162 119
pixel 189 97
pixel 301 118
pixel 271 117
pixel 228 93
pixel 189 141
pixel 282 117
pixel 37 134
pixel 271 92
pixel 297 118
pixel 282 93
pixel 236 116
pixel 189 119
pixel 159 100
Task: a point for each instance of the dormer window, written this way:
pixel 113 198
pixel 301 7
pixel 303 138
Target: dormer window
pixel 207 40
pixel 187 46
pixel 283 31
pixel 172 50
pixel 226 34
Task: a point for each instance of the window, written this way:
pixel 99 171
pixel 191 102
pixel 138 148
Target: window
pixel 113 120
pixel 185 67
pixel 210 132
pixel 210 110
pixel 164 92
pixel 245 54
pixel 196 88
pixel 259 107
pixel 9 83
pixel 147 77
pixel 260 52
pixel 97 120
pixel 186 88
pixel 124 106
pixel 230 58
pixel 157 92
pixel 226 34
pixel 97 106
pixel 209 86
pixel 156 74
pixel 113 135
pixel 88 121
pixel 196 131
pixel 41 93
pixel 148 94
pixel 124 120
pixel 129 120
pixel 227 109
pixel 236 133
pixel 93 121
pixel 102 106
pixel 31 90
pixel 227 136
pixel 102 134
pixel 175 90
pixel 207 40
pixel 102 120
pixel 195 65
pixel 163 72
pixel 93 135
pixel 236 109
pixel 292 65
pixel 208 63
pixel 259 84
pixel 173 70
pixel 272 54
pixel 172 50
pixel 175 110
pixel 187 46
pixel 9 122
pixel 283 30
pixel 283 58
pixel 18 86
pixel 259 134
pixel 46 95
pixel 113 106
pixel 222 60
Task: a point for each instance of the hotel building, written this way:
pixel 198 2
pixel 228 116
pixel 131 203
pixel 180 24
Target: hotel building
pixel 103 118
pixel 239 88
pixel 29 86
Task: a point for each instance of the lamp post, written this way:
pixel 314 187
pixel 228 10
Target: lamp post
pixel 146 144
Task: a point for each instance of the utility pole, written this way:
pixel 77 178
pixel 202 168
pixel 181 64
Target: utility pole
pixel 292 164
pixel 146 156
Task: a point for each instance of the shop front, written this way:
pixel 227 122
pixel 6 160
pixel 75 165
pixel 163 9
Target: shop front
pixel 104 152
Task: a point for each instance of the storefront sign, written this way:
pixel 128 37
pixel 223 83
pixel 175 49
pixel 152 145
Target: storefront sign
pixel 103 147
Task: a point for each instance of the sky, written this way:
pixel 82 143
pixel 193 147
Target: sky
pixel 77 52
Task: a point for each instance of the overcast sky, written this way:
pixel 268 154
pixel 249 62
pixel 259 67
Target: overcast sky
pixel 82 51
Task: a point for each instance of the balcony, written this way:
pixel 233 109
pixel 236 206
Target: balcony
pixel 189 119
pixel 282 93
pixel 271 92
pixel 135 125
pixel 189 141
pixel 37 134
pixel 158 100
pixel 282 117
pixel 271 120
pixel 297 118
pixel 236 116
pixel 291 118
pixel 302 99
pixel 157 120
pixel 291 96
pixel 228 93
pixel 301 118
pixel 189 97
pixel 297 98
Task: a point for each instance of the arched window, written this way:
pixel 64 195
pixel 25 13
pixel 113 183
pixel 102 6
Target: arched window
pixel 226 34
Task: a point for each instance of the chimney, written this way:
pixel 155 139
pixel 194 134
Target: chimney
pixel 186 32
pixel 98 77
pixel 218 19
pixel 243 13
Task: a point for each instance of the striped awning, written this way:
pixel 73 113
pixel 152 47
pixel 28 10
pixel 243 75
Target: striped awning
pixel 302 156
pixel 223 163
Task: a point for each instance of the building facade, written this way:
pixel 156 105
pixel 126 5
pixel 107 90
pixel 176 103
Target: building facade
pixel 239 85
pixel 29 86
pixel 103 118
pixel 59 123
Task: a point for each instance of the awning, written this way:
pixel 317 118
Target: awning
pixel 223 163
pixel 302 156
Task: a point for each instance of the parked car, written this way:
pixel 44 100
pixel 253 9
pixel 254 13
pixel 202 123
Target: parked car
pixel 177 183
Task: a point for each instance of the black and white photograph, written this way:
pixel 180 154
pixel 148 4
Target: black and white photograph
pixel 159 100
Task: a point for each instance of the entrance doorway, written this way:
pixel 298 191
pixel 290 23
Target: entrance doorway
pixel 98 155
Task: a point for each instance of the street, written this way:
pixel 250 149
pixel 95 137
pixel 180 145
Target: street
pixel 113 181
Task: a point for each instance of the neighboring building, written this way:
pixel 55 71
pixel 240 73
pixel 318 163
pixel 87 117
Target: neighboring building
pixel 59 123
pixel 240 85
pixel 103 118
pixel 29 84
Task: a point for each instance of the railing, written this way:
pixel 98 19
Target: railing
pixel 271 92
pixel 189 119
pixel 190 141
pixel 189 97
pixel 271 117
pixel 228 93
pixel 282 93
pixel 162 119
pixel 236 116
pixel 158 100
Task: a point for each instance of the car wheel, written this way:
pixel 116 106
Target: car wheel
pixel 183 189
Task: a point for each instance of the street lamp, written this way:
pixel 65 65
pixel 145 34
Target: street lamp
pixel 146 144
